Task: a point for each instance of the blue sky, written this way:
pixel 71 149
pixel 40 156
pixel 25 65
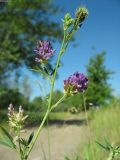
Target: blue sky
pixel 100 31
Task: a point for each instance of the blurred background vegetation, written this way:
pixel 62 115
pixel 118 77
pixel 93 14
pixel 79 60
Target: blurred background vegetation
pixel 21 25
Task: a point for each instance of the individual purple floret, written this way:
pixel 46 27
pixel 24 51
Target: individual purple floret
pixel 44 51
pixel 75 83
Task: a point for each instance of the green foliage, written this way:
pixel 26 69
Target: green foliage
pixel 3 116
pixel 21 24
pixel 104 124
pixel 35 118
pixel 6 139
pixel 8 96
pixel 99 91
pixel 30 138
pixel 75 101
pixel 114 151
pixel 38 104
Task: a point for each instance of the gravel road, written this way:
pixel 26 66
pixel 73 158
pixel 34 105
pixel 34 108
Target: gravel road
pixel 64 141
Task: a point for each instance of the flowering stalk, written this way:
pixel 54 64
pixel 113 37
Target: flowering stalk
pixel 49 101
pixel 67 22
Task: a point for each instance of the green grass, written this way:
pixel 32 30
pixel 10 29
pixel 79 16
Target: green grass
pixel 104 123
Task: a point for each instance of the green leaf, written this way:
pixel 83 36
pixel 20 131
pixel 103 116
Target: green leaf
pixel 23 142
pixel 30 138
pixel 101 145
pixel 108 145
pixel 4 143
pixel 6 139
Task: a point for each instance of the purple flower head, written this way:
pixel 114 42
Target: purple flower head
pixel 44 51
pixel 75 83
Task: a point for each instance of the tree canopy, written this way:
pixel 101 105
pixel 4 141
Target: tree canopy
pixel 99 91
pixel 22 23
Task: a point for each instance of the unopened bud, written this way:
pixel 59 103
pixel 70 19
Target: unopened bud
pixel 68 21
pixel 81 13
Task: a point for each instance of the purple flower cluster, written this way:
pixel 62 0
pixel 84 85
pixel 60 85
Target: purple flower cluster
pixel 75 83
pixel 44 51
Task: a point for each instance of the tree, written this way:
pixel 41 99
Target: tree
pixel 99 91
pixel 39 104
pixel 22 23
pixel 12 96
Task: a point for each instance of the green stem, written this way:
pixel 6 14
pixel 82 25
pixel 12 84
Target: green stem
pixel 19 150
pixel 88 125
pixel 56 104
pixel 62 50
pixel 112 156
pixel 54 75
pixel 50 99
pixel 49 149
pixel 37 133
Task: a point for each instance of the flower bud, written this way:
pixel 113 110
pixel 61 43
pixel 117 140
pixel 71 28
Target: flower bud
pixel 68 21
pixel 81 13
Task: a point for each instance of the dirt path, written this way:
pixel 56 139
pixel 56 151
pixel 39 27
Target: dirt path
pixel 64 141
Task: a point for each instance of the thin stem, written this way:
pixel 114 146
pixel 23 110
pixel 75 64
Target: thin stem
pixel 37 133
pixel 54 75
pixel 56 104
pixel 88 124
pixel 112 156
pixel 49 149
pixel 19 145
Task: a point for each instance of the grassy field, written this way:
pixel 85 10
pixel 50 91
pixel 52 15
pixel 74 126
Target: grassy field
pixel 104 124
